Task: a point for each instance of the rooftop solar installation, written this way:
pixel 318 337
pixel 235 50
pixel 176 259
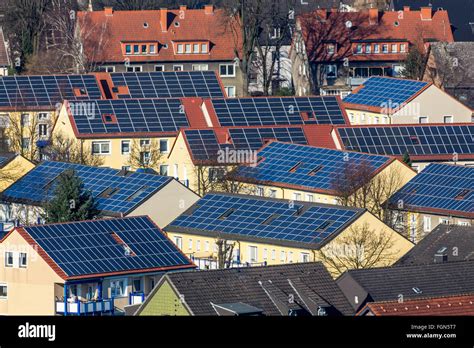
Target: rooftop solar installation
pixel 131 116
pixel 445 187
pixel 180 84
pixel 106 246
pixel 46 90
pixel 422 140
pixel 264 218
pixel 305 166
pixel 116 192
pixel 204 144
pixel 278 111
pixel 379 91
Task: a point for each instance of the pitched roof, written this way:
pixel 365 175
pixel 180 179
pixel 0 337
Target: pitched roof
pixel 454 242
pixel 111 29
pixel 116 192
pixel 96 248
pixel 444 189
pixel 265 220
pixel 4 57
pixel 307 167
pixel 266 288
pixel 445 306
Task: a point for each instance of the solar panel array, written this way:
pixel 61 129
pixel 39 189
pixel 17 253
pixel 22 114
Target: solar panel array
pixel 46 90
pixel 137 115
pixel 204 144
pixel 278 111
pixel 416 140
pixel 379 91
pixel 265 218
pixel 86 248
pixel 114 192
pixel 307 166
pixel 439 186
pixel 180 84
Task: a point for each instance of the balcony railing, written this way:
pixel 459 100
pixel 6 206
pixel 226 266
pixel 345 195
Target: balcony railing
pixel 136 298
pixel 85 308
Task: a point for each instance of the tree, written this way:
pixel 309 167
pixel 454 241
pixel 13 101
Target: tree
pixel 145 155
pixel 360 247
pixel 406 158
pixel 225 252
pixel 70 202
pixel 414 65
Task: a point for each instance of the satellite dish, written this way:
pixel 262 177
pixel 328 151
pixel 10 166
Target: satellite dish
pixel 349 24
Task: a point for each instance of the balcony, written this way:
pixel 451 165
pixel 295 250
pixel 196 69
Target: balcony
pixel 104 306
pixel 136 298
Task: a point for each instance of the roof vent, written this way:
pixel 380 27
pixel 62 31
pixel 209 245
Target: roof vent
pixel 176 24
pixel 417 291
pixel 396 23
pixel 145 25
pixel 441 255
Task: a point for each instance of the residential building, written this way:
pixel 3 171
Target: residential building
pixel 404 283
pixel 273 231
pixel 446 243
pixel 60 268
pixel 449 67
pixel 12 168
pixel 334 52
pixel 164 40
pixel 283 290
pixel 440 194
pixel 5 62
pixel 384 100
pixel 316 174
pixel 117 193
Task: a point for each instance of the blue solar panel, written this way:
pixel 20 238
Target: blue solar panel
pixel 204 84
pixel 46 90
pixel 306 166
pixel 278 111
pixel 263 218
pixel 90 247
pixel 3 159
pixel 379 91
pixel 131 116
pixel 116 192
pixel 420 140
pixel 439 187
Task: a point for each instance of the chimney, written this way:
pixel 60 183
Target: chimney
pixel 183 7
pixel 209 9
pixel 109 11
pixel 441 255
pixel 406 8
pixel 322 12
pixel 373 15
pixel 164 19
pixel 426 13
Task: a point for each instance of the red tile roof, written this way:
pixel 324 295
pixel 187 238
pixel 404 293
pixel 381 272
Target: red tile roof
pixel 390 26
pixel 449 305
pixel 4 58
pixel 108 30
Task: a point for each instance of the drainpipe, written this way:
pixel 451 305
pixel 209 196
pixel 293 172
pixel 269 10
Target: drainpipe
pixel 99 290
pixel 65 299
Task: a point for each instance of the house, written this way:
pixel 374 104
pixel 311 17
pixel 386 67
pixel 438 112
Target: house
pixel 334 52
pixel 5 62
pixel 440 194
pixel 446 243
pixel 316 174
pixel 256 230
pixel 251 291
pixel 423 143
pixel 449 68
pixel 385 100
pixel 461 305
pixel 164 40
pixel 117 193
pixel 404 283
pixel 460 14
pixel 60 268
pixel 12 168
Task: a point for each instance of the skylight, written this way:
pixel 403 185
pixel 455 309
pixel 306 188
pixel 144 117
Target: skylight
pixel 463 194
pixel 295 167
pixel 315 170
pixel 108 192
pixel 227 214
pixel 137 193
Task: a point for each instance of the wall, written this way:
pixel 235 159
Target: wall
pixel 13 171
pixel 165 301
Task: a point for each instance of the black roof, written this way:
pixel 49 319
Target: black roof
pixel 270 289
pixel 454 241
pixel 461 13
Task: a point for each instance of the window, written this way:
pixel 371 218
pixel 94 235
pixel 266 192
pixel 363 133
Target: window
pixel 101 148
pixel 203 48
pixel 368 48
pixel 259 191
pixel 230 91
pixel 464 223
pixel 195 48
pixel 25 143
pixel 134 68
pixel 188 48
pixel 43 130
pixel 4 120
pixel 385 48
pixel 117 288
pixel 282 256
pixel 42 116
pixel 427 223
pixel 297 196
pixel 422 119
pixel 376 48
pixel 253 253
pixel 198 245
pixel 448 119
pixel 164 146
pixel 227 70
pixel 190 244
pixel 152 49
pixel 331 48
pixel 145 157
pixel 290 257
pixel 137 285
pixel 128 49
pixel 126 168
pixel 304 257
pixel 273 193
pixel 145 143
pixel 125 147
pixel 176 171
pixel 180 48
pixel 206 246
pixel 3 291
pixel 265 254
pixel 23 260
pixel 273 254
pixel 159 68
pixel 331 71
pixel 107 68
pixel 359 48
pixel 177 68
pixel 394 48
pixel 144 49
pixel 276 34
pixel 403 48
pixel 310 198
pixel 8 259
pixel 25 120
pixel 179 242
pixel 200 67
pixel 136 49
pixel 444 221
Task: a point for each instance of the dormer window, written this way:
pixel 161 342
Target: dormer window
pixel 128 49
pixel 180 48
pixel 331 48
pixel 195 48
pixel 144 49
pixel 385 48
pixel 204 48
pixel 136 49
pixel 188 48
pixel 109 118
pixel 359 48
pixel 376 48
pixel 368 48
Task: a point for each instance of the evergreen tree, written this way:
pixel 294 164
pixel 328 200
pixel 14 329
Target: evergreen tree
pixel 70 202
pixel 414 64
pixel 406 158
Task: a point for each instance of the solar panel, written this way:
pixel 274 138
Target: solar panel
pixel 416 140
pixel 38 185
pixel 439 186
pixel 174 84
pixel 46 90
pixel 278 111
pixel 250 216
pixel 86 248
pixel 306 166
pixel 378 91
pixel 131 116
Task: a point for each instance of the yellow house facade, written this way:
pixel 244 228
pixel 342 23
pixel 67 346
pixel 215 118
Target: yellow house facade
pixel 12 168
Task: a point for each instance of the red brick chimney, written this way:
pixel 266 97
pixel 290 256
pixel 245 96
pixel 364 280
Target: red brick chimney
pixel 183 8
pixel 373 15
pixel 322 13
pixel 209 9
pixel 406 8
pixel 426 13
pixel 109 11
pixel 164 19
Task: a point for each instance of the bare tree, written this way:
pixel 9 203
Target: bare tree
pixel 144 155
pixel 225 252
